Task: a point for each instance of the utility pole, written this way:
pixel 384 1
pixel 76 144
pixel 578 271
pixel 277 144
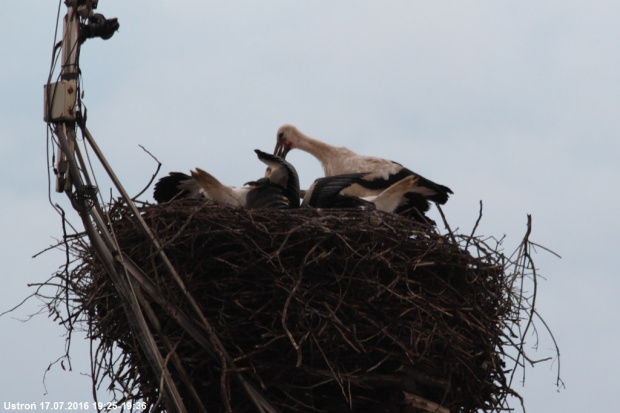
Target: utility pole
pixel 61 97
pixel 62 111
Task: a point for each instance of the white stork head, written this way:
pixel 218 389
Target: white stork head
pixel 288 138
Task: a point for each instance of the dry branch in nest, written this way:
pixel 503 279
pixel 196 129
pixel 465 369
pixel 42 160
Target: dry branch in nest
pixel 319 311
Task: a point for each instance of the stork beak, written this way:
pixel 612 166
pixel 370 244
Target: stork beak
pixel 281 150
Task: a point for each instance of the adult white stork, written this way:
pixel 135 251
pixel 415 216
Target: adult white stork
pixel 278 189
pixel 401 197
pixel 380 173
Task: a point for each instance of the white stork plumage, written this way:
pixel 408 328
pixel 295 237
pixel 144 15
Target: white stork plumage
pixel 200 184
pixel 215 191
pixel 279 189
pixel 401 197
pixel 327 192
pixel 380 173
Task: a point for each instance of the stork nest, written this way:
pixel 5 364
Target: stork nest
pixel 316 310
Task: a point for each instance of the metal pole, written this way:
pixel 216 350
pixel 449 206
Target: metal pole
pixel 68 72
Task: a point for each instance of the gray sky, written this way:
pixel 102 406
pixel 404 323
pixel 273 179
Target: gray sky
pixel 512 103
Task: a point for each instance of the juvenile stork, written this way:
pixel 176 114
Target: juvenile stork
pixel 215 191
pixel 281 173
pixel 380 173
pixel 279 189
pixel 200 184
pixel 401 197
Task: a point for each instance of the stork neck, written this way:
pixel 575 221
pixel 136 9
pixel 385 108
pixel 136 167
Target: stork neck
pixel 321 150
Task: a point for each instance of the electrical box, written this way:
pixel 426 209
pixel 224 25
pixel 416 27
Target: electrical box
pixel 59 100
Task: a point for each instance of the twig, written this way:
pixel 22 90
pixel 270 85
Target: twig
pixel 473 231
pixel 152 177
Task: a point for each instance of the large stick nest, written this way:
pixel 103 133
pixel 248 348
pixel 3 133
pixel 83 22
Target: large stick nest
pixel 333 310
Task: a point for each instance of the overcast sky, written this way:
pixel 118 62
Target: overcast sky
pixel 514 103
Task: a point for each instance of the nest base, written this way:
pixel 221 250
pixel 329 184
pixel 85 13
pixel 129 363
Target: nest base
pixel 326 311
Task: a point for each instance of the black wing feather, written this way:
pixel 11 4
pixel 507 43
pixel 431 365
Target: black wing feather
pixel 266 194
pixel 326 192
pixel 414 206
pixel 442 193
pixel 167 188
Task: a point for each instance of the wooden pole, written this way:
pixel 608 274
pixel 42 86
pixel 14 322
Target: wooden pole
pixel 96 234
pixel 216 346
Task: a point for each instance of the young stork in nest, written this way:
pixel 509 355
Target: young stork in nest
pixel 380 173
pixel 278 189
pixel 400 198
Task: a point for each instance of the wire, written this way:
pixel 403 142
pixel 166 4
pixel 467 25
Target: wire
pixel 50 134
pixel 55 46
